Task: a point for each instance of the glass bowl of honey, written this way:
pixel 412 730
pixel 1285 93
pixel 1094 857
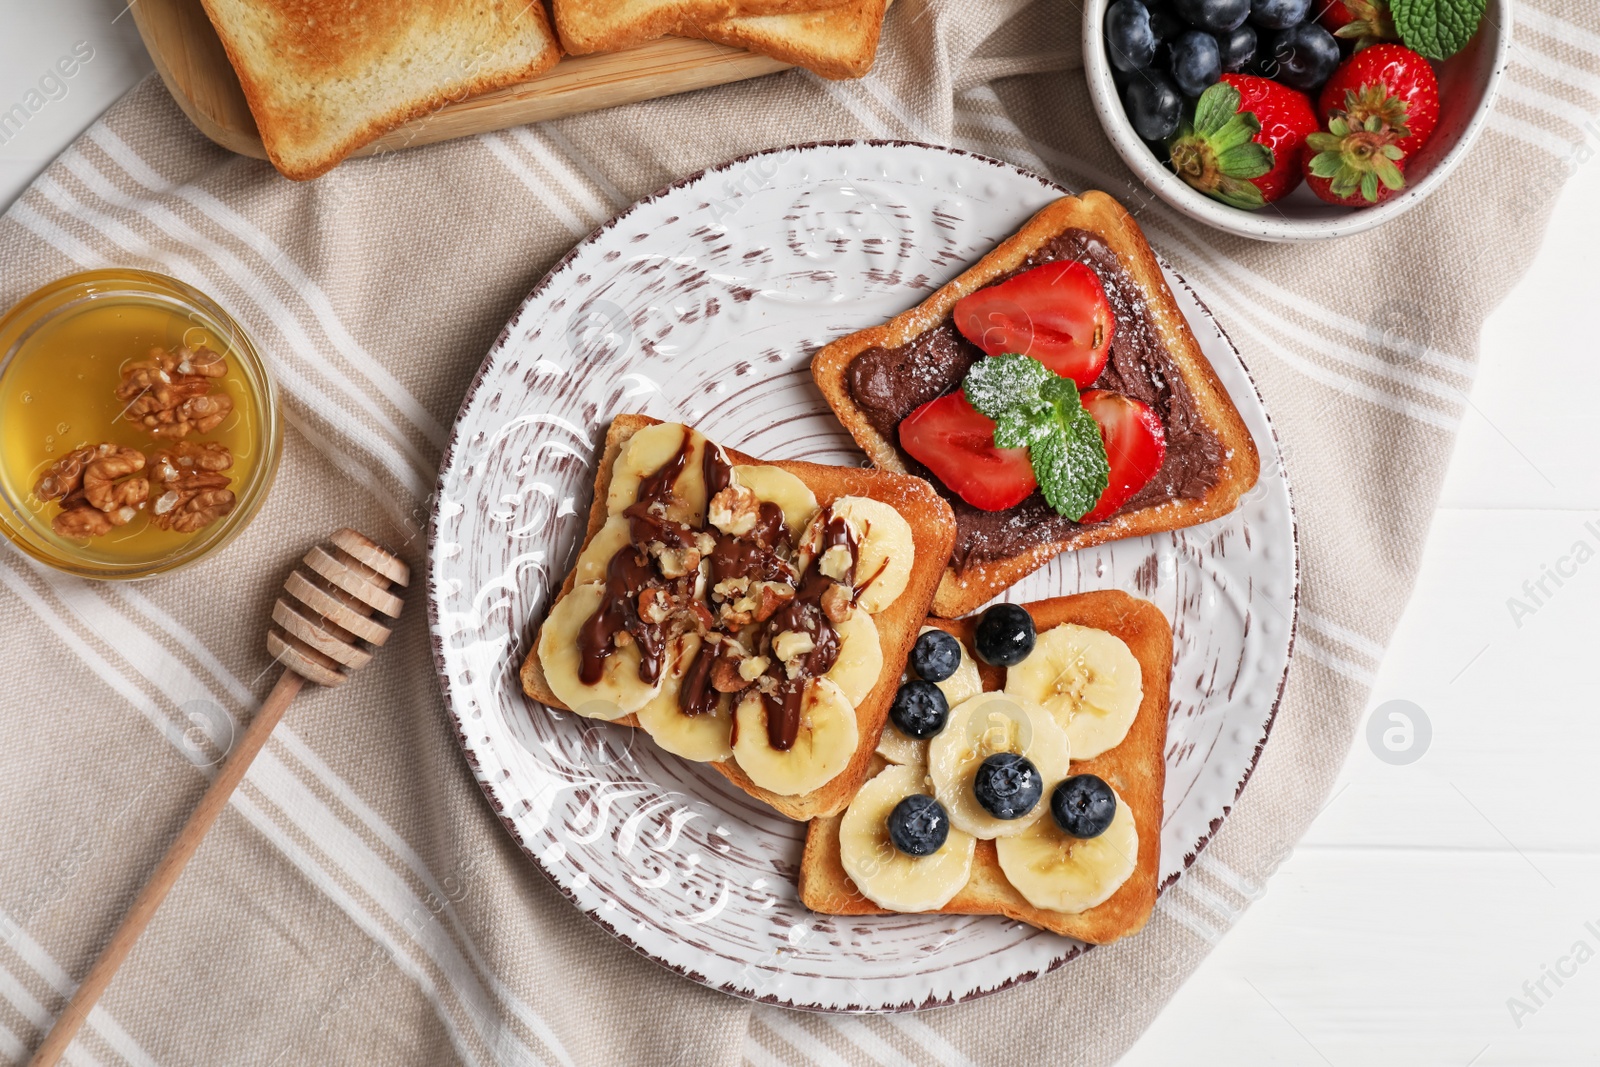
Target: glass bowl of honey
pixel 139 427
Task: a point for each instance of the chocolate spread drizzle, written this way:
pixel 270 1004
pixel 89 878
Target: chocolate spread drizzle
pixel 763 554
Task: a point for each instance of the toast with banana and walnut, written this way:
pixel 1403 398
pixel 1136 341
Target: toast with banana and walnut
pixel 747 614
pixel 1031 790
pixel 1053 393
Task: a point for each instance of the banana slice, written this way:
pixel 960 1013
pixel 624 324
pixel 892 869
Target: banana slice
pixel 703 738
pixel 885 549
pixel 824 747
pixel 647 452
pixel 895 746
pixel 965 682
pixel 860 660
pixel 1088 679
pixel 596 556
pixel 885 875
pixel 979 727
pixel 619 690
pixel 1058 872
pixel 778 486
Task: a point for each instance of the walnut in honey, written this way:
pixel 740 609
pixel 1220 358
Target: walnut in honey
pixel 172 394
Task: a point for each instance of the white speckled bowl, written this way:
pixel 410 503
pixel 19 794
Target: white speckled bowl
pixel 1468 82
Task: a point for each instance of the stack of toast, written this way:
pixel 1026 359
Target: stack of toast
pixel 1063 702
pixel 324 78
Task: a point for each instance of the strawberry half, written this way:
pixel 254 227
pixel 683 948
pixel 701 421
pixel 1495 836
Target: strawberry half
pixel 1057 313
pixel 1388 82
pixel 1135 446
pixel 955 441
pixel 1366 22
pixel 1243 146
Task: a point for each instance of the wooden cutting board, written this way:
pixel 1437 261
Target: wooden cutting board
pixel 190 58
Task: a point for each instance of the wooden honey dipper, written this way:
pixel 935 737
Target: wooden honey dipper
pixel 324 627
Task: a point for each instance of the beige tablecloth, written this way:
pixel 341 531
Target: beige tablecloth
pixel 358 903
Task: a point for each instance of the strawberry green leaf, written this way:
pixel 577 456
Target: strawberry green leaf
pixel 1036 408
pixel 1438 29
pixel 1216 107
pixel 1248 160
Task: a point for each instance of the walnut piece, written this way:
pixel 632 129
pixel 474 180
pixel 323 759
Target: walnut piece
pixel 83 521
pixel 734 510
pixel 191 491
pixel 99 488
pixel 169 393
pixel 107 484
pixel 837 602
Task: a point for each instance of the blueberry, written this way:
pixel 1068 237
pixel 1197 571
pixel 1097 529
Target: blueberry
pixel 1007 785
pixel 1196 62
pixel 1302 57
pixel 1154 106
pixel 935 656
pixel 1279 14
pixel 919 709
pixel 1005 632
pixel 918 825
pixel 1216 16
pixel 1083 805
pixel 1165 23
pixel 1129 42
pixel 1237 48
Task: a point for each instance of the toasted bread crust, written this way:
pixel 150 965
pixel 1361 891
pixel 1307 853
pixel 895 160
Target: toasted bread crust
pixel 963 591
pixel 932 527
pixel 1136 769
pixel 587 26
pixel 326 78
pixel 838 42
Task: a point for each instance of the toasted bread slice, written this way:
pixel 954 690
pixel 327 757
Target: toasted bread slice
pixel 1232 470
pixel 611 25
pixel 1136 769
pixel 324 77
pixel 839 42
pixel 932 528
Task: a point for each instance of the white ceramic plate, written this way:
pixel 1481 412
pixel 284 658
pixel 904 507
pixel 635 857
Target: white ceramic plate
pixel 704 304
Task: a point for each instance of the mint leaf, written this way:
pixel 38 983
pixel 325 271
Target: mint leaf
pixel 1438 29
pixel 1035 408
pixel 1071 464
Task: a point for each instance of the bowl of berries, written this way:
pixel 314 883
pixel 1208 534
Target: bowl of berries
pixel 1290 120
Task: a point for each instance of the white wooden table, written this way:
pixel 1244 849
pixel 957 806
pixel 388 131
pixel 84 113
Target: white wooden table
pixel 1427 895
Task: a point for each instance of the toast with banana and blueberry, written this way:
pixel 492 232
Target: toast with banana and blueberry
pixel 748 614
pixel 1021 774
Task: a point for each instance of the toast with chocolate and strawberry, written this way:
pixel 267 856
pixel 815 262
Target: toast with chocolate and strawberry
pixel 751 615
pixel 1053 393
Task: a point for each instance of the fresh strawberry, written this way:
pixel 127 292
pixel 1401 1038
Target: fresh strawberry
pixel 1366 22
pixel 1135 446
pixel 1057 313
pixel 1243 146
pixel 1356 166
pixel 955 441
pixel 1389 82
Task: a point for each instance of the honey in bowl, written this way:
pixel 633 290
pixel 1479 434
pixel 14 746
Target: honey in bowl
pixel 108 360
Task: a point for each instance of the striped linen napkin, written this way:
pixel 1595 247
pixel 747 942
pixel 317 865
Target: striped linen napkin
pixel 358 902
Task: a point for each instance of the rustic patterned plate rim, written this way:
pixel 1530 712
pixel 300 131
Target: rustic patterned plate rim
pixel 1072 949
